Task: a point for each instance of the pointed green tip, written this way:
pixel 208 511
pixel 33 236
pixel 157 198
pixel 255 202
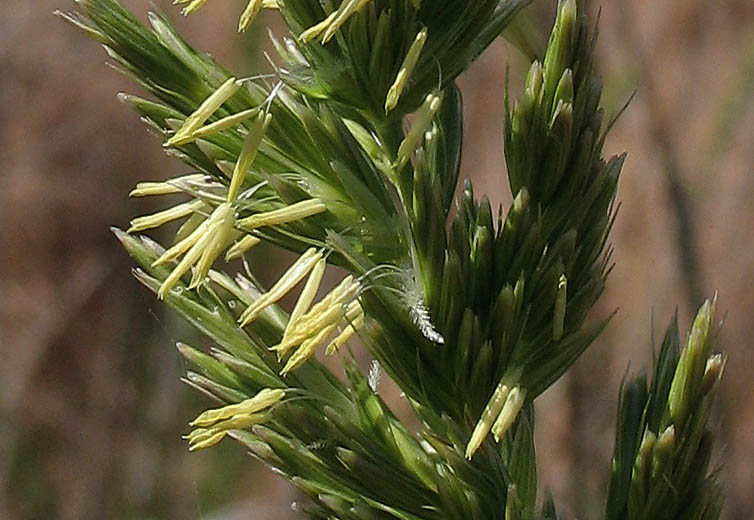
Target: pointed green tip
pixel 122 236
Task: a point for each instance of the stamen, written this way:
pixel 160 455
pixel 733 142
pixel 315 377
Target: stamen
pixel 290 279
pixel 208 106
pixel 308 347
pixel 240 247
pixel 354 324
pixel 182 246
pixel 490 414
pixel 308 324
pixel 194 6
pixel 407 67
pixel 344 12
pixel 305 299
pixel 216 423
pixel 264 399
pixel 249 14
pixel 163 217
pixel 224 123
pixel 208 240
pixel 508 414
pixel 170 187
pixel 291 213
pixel 315 30
pixel 248 153
pixel 421 123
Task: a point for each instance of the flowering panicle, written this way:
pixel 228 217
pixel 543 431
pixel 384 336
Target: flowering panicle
pixel 348 153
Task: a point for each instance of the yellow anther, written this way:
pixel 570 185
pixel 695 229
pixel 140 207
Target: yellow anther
pixel 297 211
pixel 163 217
pixel 418 127
pixel 240 247
pixel 206 109
pixel 249 14
pixel 264 399
pixel 205 243
pixel 230 121
pixel 491 412
pixel 213 425
pixel 344 12
pixel 145 189
pixel 509 413
pixel 283 286
pixel 354 324
pixel 407 67
pixel 315 30
pixel 248 154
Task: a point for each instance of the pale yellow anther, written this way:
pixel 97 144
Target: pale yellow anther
pixel 205 439
pixel 240 247
pixel 309 346
pixel 344 12
pixel 264 399
pixel 192 7
pixel 307 349
pixel 407 67
pixel 205 110
pixel 304 301
pixel 297 211
pixel 490 413
pixel 182 245
pixel 249 14
pixel 423 119
pixel 509 413
pixel 223 124
pixel 329 310
pixel 207 242
pixel 201 438
pixel 315 30
pixel 163 217
pixel 283 286
pixel 248 153
pixel 354 324
pixel 212 425
pixel 145 189
pixel 222 233
pixel 326 312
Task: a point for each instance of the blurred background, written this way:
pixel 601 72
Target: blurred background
pixel 91 407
